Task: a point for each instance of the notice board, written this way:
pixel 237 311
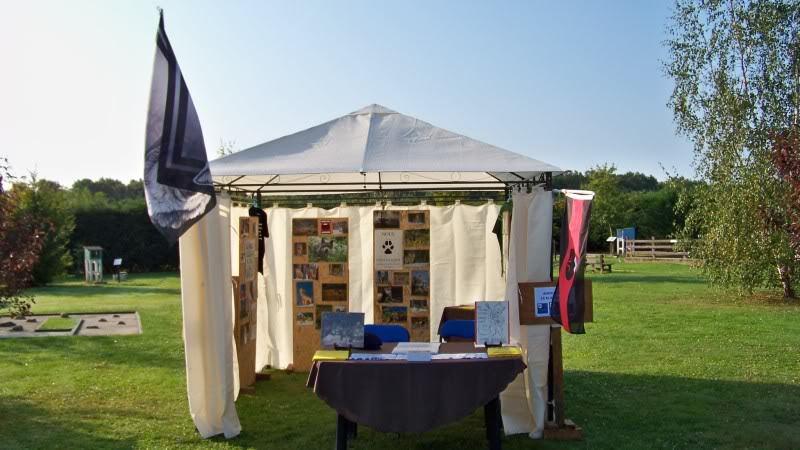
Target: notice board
pixel 534 296
pixel 402 271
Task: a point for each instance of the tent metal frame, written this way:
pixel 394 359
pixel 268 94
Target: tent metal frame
pixel 545 179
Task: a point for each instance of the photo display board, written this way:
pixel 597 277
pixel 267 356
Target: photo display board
pixel 245 297
pixel 320 281
pixel 402 271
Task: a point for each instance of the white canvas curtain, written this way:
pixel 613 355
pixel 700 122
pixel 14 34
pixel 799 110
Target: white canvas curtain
pixel 465 266
pixel 524 401
pixel 211 370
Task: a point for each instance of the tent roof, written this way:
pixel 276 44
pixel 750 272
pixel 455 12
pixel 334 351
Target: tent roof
pixel 374 148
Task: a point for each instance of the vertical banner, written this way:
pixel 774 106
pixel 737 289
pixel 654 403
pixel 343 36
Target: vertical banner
pixel 569 298
pixel 177 182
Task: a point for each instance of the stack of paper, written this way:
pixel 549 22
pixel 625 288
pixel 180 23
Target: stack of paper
pixel 330 355
pixel 460 356
pixel 373 357
pixel 502 352
pixel 405 347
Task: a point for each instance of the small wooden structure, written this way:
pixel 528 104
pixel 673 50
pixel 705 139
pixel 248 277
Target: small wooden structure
pixel 93 264
pixel 598 263
pixel 654 250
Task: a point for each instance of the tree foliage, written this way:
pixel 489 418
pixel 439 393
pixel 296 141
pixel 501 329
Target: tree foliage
pixel 46 201
pixel 20 243
pixel 735 68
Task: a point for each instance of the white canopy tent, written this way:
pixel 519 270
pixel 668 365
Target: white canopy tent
pixel 373 149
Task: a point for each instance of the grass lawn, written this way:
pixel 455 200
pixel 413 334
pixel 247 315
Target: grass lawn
pixel 668 363
pixel 58 324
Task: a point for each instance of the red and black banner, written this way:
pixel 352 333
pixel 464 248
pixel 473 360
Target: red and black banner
pixel 569 298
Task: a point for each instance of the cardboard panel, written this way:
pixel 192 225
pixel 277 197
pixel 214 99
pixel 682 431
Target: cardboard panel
pixel 527 313
pixel 320 280
pixel 245 296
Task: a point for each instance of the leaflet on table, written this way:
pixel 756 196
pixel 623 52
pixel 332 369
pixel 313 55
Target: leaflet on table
pixel 373 357
pixel 405 347
pixel 460 356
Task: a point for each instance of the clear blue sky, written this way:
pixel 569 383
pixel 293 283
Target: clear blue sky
pixel 571 83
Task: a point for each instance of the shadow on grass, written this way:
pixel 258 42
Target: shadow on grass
pixel 650 411
pixel 26 425
pixel 615 411
pixel 612 278
pixel 101 291
pixel 115 350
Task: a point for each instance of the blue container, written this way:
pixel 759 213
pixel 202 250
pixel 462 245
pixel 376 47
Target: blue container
pixel 626 233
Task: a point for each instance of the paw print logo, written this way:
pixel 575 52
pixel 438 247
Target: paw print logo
pixel 388 247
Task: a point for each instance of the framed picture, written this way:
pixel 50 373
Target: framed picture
pixel 400 279
pixel 334 292
pixel 342 329
pixel 327 249
pixel 325 227
pixel 304 293
pixel 420 283
pixel 394 314
pixel 386 219
pixel 304 227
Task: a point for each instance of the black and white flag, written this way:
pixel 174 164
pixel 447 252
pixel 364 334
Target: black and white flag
pixel 177 181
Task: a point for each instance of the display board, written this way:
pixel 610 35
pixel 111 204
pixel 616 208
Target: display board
pixel 320 281
pixel 534 303
pixel 402 271
pixel 245 297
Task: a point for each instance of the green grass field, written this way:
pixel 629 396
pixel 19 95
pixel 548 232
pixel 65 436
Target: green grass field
pixel 668 363
pixel 58 324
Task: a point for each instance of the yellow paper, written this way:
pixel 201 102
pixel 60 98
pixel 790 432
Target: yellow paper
pixel 502 352
pixel 331 355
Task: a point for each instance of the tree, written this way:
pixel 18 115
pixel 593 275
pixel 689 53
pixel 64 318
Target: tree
pixel 20 242
pixel 735 65
pixel 226 148
pixel 608 204
pixel 46 202
pixel 786 157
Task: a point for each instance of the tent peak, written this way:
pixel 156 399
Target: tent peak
pixel 373 109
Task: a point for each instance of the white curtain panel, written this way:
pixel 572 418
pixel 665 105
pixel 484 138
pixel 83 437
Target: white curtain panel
pixel 524 401
pixel 465 258
pixel 206 296
pixel 465 266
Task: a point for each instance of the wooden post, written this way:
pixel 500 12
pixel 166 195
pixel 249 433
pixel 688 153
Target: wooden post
pixel 558 376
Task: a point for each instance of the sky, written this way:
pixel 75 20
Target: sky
pixel 574 84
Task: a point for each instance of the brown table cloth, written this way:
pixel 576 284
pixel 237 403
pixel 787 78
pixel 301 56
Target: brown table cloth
pixel 398 396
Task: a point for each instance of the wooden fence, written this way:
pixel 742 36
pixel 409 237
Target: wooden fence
pixel 653 250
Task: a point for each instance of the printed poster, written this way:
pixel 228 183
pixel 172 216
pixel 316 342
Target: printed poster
pixel 542 297
pixel 491 323
pixel 388 249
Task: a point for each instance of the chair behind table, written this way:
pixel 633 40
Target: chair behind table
pixel 388 333
pixel 458 330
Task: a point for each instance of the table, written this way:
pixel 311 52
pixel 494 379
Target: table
pixel 398 396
